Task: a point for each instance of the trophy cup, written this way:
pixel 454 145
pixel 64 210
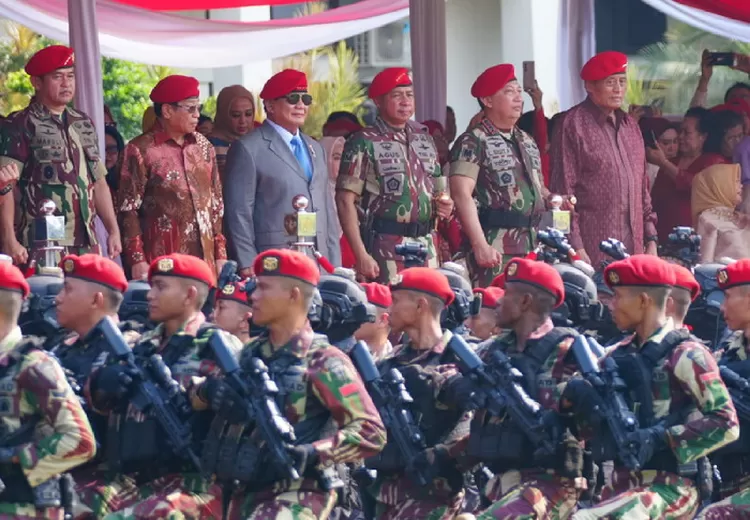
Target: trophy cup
pixel 303 225
pixel 48 229
pixel 556 217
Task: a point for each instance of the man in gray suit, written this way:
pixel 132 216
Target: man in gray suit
pixel 268 167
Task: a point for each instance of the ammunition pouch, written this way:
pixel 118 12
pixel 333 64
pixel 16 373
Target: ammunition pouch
pixel 500 445
pixel 506 219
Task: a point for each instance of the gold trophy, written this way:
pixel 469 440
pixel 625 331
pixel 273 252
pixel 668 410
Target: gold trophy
pixel 302 224
pixel 48 229
pixel 557 217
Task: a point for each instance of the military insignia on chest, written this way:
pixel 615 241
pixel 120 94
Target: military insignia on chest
pixel 393 185
pixel 165 265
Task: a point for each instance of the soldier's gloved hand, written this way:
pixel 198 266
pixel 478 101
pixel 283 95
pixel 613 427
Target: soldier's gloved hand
pixel 115 380
pixel 461 392
pixel 224 400
pixel 305 456
pixel 580 398
pixel 9 455
pixel 431 460
pixel 647 442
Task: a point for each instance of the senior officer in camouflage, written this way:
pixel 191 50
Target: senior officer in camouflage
pixel 232 311
pixel 496 178
pixel 319 385
pixel 57 152
pixel 419 296
pixel 180 285
pixel 523 487
pixel 34 386
pixel 733 460
pixel 376 334
pixel 390 187
pixel 684 379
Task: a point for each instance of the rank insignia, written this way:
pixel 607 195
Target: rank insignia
pixel 722 276
pixel 613 278
pixel 270 263
pixel 512 268
pixel 69 266
pixel 165 265
pixel 228 290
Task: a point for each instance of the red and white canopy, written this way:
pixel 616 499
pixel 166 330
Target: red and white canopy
pixel 728 18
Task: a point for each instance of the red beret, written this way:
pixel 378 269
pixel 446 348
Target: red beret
pixel 685 280
pixel 378 294
pixel 49 60
pixel 175 88
pixel 182 266
pixel 603 65
pixel 427 280
pixel 289 263
pixel 640 270
pixel 97 269
pixel 283 83
pixel 498 281
pixel 12 279
pixel 538 274
pixel 387 80
pixel 235 292
pixel 734 274
pixel 492 80
pixel 491 296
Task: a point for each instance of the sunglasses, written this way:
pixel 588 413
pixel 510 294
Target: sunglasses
pixel 190 109
pixel 294 98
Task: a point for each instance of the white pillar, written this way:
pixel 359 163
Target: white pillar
pixel 428 57
pixel 83 34
pixel 577 45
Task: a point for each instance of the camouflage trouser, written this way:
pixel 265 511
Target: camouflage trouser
pixel 308 502
pixel 530 495
pixel 175 497
pixel 383 251
pixel 398 498
pixel 644 494
pixel 99 496
pixel 29 512
pixel 735 506
pixel 483 276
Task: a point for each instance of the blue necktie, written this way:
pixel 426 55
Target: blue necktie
pixel 301 154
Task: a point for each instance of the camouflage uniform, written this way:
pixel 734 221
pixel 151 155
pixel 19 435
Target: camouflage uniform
pixel 528 493
pixel 397 174
pixel 138 496
pixel 34 385
pixel 397 497
pixel 687 378
pixel 321 382
pixel 508 175
pixel 58 157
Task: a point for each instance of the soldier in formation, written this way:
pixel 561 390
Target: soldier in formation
pixel 376 334
pixel 484 324
pixel 232 311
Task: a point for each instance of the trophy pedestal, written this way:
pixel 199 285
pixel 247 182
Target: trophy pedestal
pixel 48 229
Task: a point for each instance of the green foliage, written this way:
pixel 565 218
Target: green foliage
pixel 126 90
pixel 208 107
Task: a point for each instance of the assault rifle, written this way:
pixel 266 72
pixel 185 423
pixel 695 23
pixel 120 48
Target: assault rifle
pixel 611 406
pixel 500 391
pixel 739 390
pixel 258 391
pixel 154 392
pixel 414 253
pixel 392 401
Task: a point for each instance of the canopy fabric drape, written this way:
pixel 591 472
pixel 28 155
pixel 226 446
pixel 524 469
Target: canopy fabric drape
pixel 173 40
pixel 727 18
pixel 199 5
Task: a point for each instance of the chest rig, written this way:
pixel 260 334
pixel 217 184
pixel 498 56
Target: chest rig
pixel 499 441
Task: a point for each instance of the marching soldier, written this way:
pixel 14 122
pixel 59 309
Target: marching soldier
pixel 232 311
pixel 45 430
pixel 496 178
pixel 56 150
pixel 376 334
pixel 524 487
pixel 180 285
pixel 669 376
pixel 484 324
pixel 390 187
pixel 318 386
pixel 420 295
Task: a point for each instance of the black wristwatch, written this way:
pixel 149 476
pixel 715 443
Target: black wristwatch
pixel 6 189
pixel 652 238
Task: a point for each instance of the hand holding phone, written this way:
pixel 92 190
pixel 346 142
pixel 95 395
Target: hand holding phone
pixel 722 59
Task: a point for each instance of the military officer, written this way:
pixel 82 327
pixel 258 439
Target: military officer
pixel 496 178
pixel 36 398
pixel 484 325
pixel 319 386
pixel 232 311
pixel 390 187
pixel 376 334
pixel 420 294
pixel 57 152
pixel 684 378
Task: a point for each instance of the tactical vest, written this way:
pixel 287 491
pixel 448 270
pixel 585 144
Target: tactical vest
pixel 501 443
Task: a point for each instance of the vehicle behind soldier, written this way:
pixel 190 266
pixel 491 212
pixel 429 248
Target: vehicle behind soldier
pixel 420 295
pixel 376 334
pixel 733 460
pixel 320 394
pixel 168 482
pixel 669 375
pixel 45 432
pixel 526 485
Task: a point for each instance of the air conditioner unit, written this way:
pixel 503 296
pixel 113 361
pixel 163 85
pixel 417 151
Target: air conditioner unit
pixel 387 46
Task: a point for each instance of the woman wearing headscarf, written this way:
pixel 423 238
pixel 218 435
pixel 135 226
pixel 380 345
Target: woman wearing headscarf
pixel 724 231
pixel 235 117
pixel 334 147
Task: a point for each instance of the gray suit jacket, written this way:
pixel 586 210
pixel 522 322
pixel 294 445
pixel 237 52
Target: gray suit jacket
pixel 261 178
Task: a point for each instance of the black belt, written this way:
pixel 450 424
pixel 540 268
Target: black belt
pixel 506 219
pixel 403 229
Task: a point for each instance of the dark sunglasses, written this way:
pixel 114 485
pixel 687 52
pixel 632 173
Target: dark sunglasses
pixel 294 98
